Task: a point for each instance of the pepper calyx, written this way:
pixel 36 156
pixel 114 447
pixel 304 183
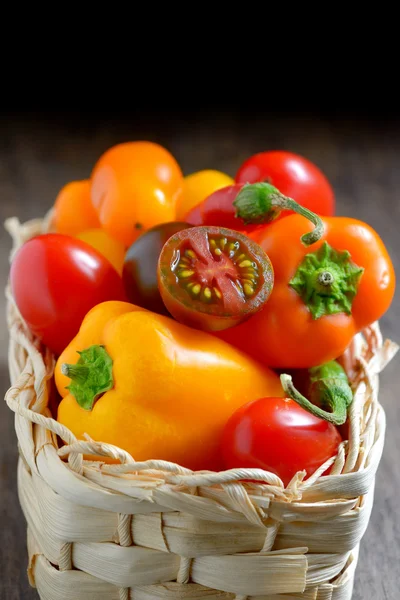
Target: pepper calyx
pixel 327 281
pixel 90 376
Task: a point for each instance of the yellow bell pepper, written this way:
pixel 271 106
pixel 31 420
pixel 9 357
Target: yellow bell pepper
pixel 154 387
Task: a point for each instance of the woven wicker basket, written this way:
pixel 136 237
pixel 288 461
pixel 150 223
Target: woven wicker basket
pixel 154 530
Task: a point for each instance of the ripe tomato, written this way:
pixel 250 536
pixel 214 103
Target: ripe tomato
pixel 109 247
pixel 294 176
pixel 212 278
pixel 140 266
pixel 73 209
pixel 134 186
pixel 198 186
pixel 55 280
pixel 278 435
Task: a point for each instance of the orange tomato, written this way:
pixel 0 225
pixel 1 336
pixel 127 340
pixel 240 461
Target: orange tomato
pixel 109 247
pixel 134 186
pixel 73 209
pixel 198 186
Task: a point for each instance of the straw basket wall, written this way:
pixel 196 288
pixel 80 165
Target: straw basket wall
pixel 154 530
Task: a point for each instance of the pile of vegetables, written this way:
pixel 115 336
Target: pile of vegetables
pixel 201 319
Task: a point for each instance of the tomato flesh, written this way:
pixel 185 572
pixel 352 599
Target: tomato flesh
pixel 278 435
pixel 212 278
pixel 140 266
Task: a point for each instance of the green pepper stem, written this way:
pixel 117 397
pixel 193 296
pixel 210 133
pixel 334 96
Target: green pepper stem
pixel 329 392
pixel 91 376
pixel 327 281
pixel 311 237
pixel 326 278
pixel 261 202
pixel 77 373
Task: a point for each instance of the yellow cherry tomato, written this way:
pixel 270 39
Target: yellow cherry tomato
pixel 197 186
pixel 112 249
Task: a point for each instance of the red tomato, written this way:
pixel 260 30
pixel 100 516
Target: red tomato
pixel 212 278
pixel 278 435
pixel 55 280
pixel 294 176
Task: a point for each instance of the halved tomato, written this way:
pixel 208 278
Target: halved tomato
pixel 212 278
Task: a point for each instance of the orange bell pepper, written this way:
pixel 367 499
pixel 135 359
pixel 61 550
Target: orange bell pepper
pixel 324 293
pixel 155 387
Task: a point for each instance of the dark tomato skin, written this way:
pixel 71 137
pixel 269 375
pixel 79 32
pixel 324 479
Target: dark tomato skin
pixel 55 280
pixel 294 176
pixel 140 266
pixel 278 435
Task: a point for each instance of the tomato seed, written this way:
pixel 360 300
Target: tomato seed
pixel 190 254
pixel 232 248
pixel 185 274
pixel 245 263
pixel 196 289
pixel 207 293
pixel 249 273
pixel 248 289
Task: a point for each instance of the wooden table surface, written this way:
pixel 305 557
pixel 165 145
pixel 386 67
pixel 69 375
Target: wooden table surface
pixel 362 161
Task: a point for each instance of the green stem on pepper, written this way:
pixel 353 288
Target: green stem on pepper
pixel 90 377
pixel 259 203
pixel 327 281
pixel 330 392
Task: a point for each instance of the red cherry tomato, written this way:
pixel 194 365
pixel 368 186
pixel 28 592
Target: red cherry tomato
pixel 294 176
pixel 278 435
pixel 217 209
pixel 55 280
pixel 212 278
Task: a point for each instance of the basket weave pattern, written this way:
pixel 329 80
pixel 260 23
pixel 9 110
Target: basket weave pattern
pixel 154 530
